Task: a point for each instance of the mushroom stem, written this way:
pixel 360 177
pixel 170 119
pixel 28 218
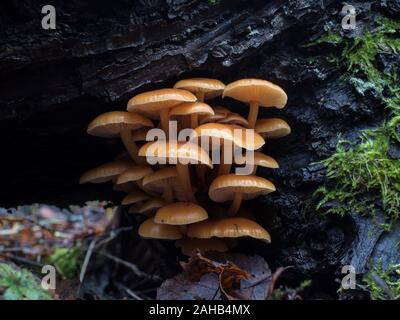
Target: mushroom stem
pixel 168 195
pixel 130 145
pixel 194 121
pixel 164 119
pixel 184 179
pixel 253 173
pixel 253 113
pixel 200 96
pixel 224 168
pixel 235 206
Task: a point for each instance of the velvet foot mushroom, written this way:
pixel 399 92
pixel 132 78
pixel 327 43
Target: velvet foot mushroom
pixel 105 172
pixel 233 134
pixel 192 110
pixel 157 103
pixel 180 213
pixel 233 227
pixel 203 88
pixel 272 128
pixel 162 181
pixel 119 123
pixel 257 93
pixel 135 197
pixel 180 153
pixel 237 188
pixel 150 229
pixel 148 207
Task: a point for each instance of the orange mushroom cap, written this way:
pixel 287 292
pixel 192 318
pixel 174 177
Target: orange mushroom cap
pixel 264 92
pixel 272 128
pixel 244 138
pixel 105 172
pixel 153 101
pixel 224 187
pixel 110 124
pixel 180 213
pixel 150 229
pixel 210 87
pixel 134 173
pixel 188 152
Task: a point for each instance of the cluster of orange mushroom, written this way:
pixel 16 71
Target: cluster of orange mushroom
pixel 181 201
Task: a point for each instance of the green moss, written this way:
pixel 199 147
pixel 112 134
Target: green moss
pixel 20 284
pixel 383 284
pixel 365 168
pixel 66 261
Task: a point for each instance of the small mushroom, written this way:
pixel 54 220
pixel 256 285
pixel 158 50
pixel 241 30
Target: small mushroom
pixel 159 102
pixel 256 93
pixel 135 174
pixel 162 181
pixel 235 188
pixel 182 153
pixel 219 114
pixel 106 172
pixel 148 207
pixel 180 213
pixel 150 229
pixel 262 160
pixel 203 88
pixel 272 128
pixel 188 246
pixel 193 110
pixel 239 227
pixel 231 133
pixel 119 123
pixel 235 118
pixel 135 197
pixel 201 230
pixel 233 227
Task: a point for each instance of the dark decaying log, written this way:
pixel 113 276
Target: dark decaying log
pixel 103 52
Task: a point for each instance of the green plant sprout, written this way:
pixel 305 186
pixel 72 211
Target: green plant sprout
pixel 20 285
pixel 383 284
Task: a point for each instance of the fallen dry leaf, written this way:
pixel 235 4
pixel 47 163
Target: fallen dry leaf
pixel 252 272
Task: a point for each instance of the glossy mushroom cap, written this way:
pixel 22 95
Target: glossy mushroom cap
pixel 134 173
pixel 152 101
pixel 264 92
pixel 263 160
pixel 204 245
pixel 272 128
pixel 149 206
pixel 211 88
pixel 135 197
pixel 110 124
pixel 201 230
pixel 105 172
pixel 223 188
pixel 180 213
pixel 160 179
pixel 178 151
pixel 235 118
pixel 244 138
pixel 221 110
pixel 189 108
pixel 227 228
pixel 150 229
pixel 239 227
